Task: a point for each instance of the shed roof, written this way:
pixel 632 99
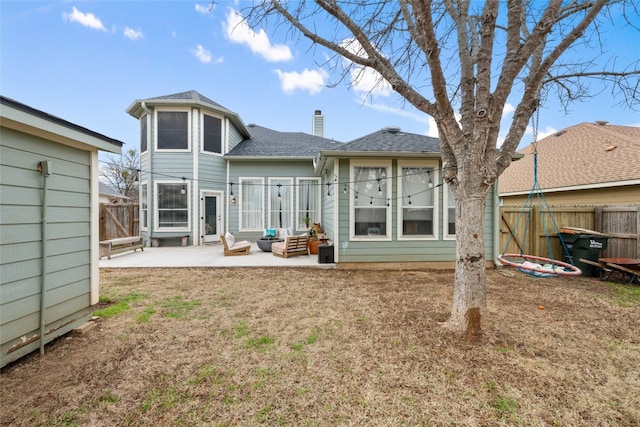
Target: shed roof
pixel 587 155
pixel 19 116
pixel 265 143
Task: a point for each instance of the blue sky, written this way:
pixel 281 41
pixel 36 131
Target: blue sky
pixel 87 61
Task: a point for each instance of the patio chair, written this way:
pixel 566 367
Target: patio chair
pixel 231 247
pixel 292 246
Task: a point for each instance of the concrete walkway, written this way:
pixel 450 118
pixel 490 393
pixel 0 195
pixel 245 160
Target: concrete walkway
pixel 206 256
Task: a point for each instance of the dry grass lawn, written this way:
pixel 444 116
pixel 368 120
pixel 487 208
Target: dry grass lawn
pixel 300 347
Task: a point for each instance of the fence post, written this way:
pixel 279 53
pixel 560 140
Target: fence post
pixel 597 219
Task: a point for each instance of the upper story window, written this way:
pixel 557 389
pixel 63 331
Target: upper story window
pixel 417 212
pixel 212 140
pixel 370 200
pixel 173 130
pixel 143 133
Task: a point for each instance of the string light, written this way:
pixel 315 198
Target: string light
pixel 328 189
pixel 183 190
pixel 379 188
pixel 279 195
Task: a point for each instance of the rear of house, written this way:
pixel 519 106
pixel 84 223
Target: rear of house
pixel 48 226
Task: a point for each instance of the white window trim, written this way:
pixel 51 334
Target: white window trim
pixel 223 124
pixel 156 212
pixel 145 117
pixel 445 214
pixel 352 207
pixel 434 164
pixel 298 211
pixel 171 110
pixel 241 226
pixel 273 182
pixel 141 212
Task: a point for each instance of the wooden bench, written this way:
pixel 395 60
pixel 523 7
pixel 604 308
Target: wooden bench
pixel 119 245
pixel 292 246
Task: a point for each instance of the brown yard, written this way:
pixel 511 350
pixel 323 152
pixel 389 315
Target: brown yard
pixel 300 347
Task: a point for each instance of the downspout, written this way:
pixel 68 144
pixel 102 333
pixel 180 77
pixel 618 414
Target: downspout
pixel 44 168
pixel 150 183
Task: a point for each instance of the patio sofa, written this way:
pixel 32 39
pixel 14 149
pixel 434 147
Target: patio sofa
pixel 291 246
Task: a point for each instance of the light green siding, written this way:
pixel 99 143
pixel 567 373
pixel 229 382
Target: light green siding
pixel 395 250
pixel 264 169
pixel 68 278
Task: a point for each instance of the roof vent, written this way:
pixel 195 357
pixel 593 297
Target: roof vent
pixel 601 122
pixel 251 125
pixel 392 129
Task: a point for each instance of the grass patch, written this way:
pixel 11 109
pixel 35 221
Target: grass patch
pixel 626 295
pixel 261 344
pixel 119 307
pixel 242 329
pixel 177 307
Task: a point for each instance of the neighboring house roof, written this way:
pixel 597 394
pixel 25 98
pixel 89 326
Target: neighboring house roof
pixel 109 191
pixel 388 141
pixel 19 116
pixel 189 98
pixel 583 156
pixel 265 143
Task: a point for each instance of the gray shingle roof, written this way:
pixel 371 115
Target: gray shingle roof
pixel 190 95
pixel 266 142
pixel 392 139
pixel 104 188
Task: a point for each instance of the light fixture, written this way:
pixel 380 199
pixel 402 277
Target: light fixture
pixel 356 196
pixel 430 180
pixel 387 202
pixel 328 189
pixel 279 195
pixel 379 188
pixel 183 190
pixel 345 189
pixel 232 198
pixel 409 199
pixel 371 201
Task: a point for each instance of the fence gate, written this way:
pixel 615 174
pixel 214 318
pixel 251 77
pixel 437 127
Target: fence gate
pixel 119 221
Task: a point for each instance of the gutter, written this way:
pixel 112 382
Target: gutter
pixel 496 225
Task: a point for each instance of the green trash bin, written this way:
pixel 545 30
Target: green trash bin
pixel 585 244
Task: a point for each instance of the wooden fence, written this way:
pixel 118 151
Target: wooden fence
pixel 526 230
pixel 119 221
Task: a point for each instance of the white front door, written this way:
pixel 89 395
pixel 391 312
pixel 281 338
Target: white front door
pixel 210 217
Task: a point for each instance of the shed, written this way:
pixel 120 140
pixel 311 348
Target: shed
pixel 48 226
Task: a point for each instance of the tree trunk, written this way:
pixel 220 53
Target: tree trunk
pixel 469 294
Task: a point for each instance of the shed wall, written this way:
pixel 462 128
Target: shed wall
pixel 68 241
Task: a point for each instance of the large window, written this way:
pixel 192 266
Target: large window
pixel 308 202
pixel 144 207
pixel 280 203
pixel 251 204
pixel 417 212
pixel 450 213
pixel 173 130
pixel 370 201
pixel 212 134
pixel 143 133
pixel 172 206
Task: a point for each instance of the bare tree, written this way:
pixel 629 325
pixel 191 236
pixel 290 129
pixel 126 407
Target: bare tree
pixel 460 62
pixel 121 173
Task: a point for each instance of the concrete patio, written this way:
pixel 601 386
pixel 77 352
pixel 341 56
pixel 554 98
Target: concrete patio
pixel 206 256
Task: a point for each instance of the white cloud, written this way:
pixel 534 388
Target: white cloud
pixel 132 34
pixel 365 80
pixel 508 109
pixel 310 80
pixel 84 19
pixel 238 31
pixel 202 54
pixel 204 9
